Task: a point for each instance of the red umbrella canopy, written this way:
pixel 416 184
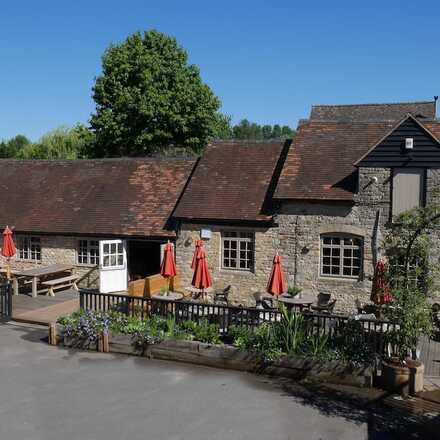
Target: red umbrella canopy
pixel 277 282
pixel 168 266
pixel 199 244
pixel 8 248
pixel 380 293
pixel 202 278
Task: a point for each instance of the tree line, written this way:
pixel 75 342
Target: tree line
pixel 149 100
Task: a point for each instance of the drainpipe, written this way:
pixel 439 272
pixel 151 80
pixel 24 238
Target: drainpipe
pixel 295 250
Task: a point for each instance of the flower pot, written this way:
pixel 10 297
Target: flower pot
pixel 403 378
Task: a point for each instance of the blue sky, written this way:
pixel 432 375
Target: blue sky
pixel 267 61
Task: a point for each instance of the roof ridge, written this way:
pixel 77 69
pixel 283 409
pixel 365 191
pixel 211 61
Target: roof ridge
pixel 373 104
pixel 103 159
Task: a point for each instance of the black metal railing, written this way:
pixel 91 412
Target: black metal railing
pixel 372 332
pixel 5 300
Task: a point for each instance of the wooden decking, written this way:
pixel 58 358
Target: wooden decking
pixel 44 309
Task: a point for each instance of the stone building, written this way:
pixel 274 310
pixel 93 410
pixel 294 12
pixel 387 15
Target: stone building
pixel 109 219
pixel 330 196
pixel 321 201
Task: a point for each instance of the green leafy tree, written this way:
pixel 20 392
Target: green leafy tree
pixel 276 131
pixel 61 143
pixel 223 127
pixel 267 131
pixel 286 131
pixel 149 98
pixel 12 147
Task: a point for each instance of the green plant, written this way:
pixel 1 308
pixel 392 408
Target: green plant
pixel 414 317
pixel 242 336
pixel 293 290
pixel 202 331
pixel 411 275
pixel 317 346
pixel 290 331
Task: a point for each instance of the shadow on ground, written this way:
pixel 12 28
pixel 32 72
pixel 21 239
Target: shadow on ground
pixel 359 406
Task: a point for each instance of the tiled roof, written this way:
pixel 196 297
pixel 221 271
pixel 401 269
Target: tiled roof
pixel 232 181
pixel 319 165
pixel 372 112
pixel 133 197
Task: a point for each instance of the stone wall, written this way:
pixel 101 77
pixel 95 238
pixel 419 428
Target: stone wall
pixel 296 235
pixel 302 223
pixel 57 250
pixel 244 283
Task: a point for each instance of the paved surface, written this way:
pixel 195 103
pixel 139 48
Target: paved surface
pixel 44 309
pixel 49 393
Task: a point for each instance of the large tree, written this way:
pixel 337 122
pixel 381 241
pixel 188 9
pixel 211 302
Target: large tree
pixel 149 98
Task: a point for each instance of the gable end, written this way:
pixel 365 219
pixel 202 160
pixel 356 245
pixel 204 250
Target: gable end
pixel 390 151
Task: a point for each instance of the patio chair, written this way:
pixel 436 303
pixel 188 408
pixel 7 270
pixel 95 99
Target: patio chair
pixel 324 305
pixel 222 296
pixel 360 306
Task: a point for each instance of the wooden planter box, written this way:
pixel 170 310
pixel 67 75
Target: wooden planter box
pixel 229 357
pixel 153 284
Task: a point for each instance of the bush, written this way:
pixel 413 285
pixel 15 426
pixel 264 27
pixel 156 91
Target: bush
pixel 201 331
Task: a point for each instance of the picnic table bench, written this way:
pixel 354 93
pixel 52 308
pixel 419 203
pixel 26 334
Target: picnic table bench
pixel 59 283
pixel 42 274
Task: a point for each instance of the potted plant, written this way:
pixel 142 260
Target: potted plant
pixel 294 291
pixel 402 370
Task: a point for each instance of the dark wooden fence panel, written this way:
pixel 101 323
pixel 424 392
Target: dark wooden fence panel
pixel 5 301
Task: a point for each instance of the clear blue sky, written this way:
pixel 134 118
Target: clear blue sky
pixel 267 61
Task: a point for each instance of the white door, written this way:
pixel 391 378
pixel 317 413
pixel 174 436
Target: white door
pixel 112 266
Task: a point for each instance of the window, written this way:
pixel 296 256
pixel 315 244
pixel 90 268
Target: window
pixel 113 254
pixel 408 189
pixel 88 252
pixel 238 250
pixel 341 256
pixel 28 248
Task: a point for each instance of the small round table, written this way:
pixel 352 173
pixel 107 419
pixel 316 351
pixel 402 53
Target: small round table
pixel 303 302
pixel 170 296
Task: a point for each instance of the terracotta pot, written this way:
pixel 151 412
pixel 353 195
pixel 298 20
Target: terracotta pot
pixel 402 378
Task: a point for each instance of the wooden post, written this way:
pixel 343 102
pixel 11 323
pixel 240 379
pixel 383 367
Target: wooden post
pixel 105 343
pixel 15 285
pixel 53 333
pixel 34 287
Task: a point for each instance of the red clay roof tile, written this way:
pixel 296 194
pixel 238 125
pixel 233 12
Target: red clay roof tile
pixel 132 197
pixel 232 181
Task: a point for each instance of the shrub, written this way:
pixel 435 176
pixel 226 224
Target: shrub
pixel 201 331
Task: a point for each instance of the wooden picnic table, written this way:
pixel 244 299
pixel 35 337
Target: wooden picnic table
pixel 37 273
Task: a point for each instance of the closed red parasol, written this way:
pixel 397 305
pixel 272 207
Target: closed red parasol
pixel 168 266
pixel 199 244
pixel 202 278
pixel 277 283
pixel 380 293
pixel 8 248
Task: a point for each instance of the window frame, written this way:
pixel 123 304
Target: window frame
pixel 119 253
pixel 88 255
pixel 20 240
pixel 239 239
pixel 341 236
